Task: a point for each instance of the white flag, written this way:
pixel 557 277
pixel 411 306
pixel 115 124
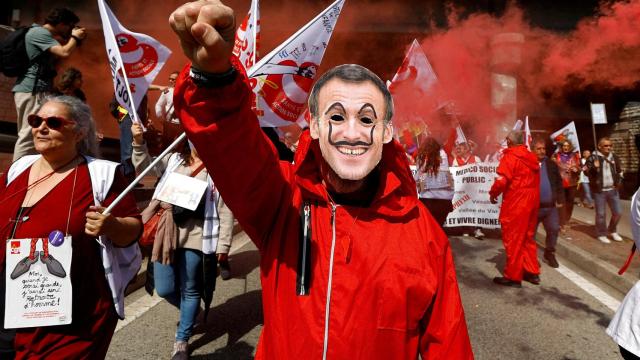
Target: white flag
pixel 598 114
pixel 567 133
pixel 247 37
pixel 415 70
pixel 282 79
pixel 139 55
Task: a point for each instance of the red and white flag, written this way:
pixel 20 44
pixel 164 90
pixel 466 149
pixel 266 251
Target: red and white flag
pixel 135 60
pixel 527 133
pixel 282 79
pixel 568 132
pixel 456 137
pixel 415 71
pixel 247 37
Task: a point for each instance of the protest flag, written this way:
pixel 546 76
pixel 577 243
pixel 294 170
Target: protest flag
pixel 247 37
pixel 456 137
pixel 415 71
pixel 568 132
pixel 527 133
pixel 282 79
pixel 135 60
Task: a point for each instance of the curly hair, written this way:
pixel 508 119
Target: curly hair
pixel 429 159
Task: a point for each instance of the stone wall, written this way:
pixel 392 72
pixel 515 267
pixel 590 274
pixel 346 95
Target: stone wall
pixel 623 137
pixel 7 106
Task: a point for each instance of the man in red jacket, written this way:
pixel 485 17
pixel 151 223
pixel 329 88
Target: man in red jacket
pixel 352 265
pixel 518 181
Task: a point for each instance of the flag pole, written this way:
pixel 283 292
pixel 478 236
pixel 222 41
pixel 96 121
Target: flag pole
pixel 144 172
pixel 593 127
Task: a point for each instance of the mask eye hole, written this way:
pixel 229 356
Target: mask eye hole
pixel 336 117
pixel 366 120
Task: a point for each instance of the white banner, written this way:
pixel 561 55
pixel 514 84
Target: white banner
pixel 140 55
pixel 567 133
pixel 282 79
pixel 471 205
pixel 598 114
pixel 247 36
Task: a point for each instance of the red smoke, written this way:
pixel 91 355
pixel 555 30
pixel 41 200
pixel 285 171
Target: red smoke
pixel 601 52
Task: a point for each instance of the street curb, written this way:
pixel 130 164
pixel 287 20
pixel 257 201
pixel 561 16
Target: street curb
pixel 598 268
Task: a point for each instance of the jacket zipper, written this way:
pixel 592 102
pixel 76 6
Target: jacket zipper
pixel 305 234
pixel 326 309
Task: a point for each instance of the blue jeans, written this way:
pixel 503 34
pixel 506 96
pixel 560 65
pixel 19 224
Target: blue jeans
pixel 612 198
pixel 586 193
pixel 551 221
pixel 126 146
pixel 180 284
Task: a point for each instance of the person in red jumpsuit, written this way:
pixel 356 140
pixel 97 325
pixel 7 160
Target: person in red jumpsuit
pixel 518 181
pixel 352 265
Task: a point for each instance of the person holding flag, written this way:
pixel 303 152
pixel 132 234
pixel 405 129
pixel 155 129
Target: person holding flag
pixel 342 229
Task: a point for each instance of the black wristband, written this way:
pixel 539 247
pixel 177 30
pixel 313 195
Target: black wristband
pixel 209 80
pixel 78 40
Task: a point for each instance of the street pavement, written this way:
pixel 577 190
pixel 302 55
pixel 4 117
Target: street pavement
pixel 556 320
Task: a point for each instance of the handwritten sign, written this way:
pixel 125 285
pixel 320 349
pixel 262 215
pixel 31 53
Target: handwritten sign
pixel 182 190
pixel 471 205
pixel 38 290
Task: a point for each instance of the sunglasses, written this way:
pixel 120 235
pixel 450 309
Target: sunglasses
pixel 53 122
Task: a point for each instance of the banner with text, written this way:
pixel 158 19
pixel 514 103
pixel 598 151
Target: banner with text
pixel 471 205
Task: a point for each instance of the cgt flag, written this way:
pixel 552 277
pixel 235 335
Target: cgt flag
pixel 282 79
pixel 567 133
pixel 248 37
pixel 135 60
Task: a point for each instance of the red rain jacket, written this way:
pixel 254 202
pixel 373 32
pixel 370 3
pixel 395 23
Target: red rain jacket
pixel 519 181
pixel 383 276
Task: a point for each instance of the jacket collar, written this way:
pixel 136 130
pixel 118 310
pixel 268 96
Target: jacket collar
pixel 396 194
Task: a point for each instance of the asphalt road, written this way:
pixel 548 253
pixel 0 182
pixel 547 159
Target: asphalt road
pixel 556 320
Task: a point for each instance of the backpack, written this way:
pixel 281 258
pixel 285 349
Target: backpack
pixel 14 60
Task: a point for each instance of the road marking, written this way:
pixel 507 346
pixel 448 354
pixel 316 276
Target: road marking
pixel 590 288
pixel 147 302
pixel 137 309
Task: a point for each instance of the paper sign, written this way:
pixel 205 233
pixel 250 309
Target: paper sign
pixel 182 190
pixel 598 114
pixel 38 290
pixel 471 205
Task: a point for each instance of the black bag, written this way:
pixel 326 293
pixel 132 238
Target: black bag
pixel 14 60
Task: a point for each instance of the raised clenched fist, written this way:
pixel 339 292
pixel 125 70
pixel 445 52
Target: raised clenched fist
pixel 206 30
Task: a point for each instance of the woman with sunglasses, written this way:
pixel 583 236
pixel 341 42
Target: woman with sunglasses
pixel 57 196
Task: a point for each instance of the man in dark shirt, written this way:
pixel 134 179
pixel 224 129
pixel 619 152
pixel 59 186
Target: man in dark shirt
pixel 551 198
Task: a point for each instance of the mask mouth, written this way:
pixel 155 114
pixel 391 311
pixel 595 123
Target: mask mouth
pixel 351 151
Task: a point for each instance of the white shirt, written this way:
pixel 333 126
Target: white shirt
pixel 164 107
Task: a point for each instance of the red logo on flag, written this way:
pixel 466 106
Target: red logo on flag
pixel 15 247
pixel 279 96
pixel 146 56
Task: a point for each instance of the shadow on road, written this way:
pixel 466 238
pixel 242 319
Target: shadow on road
pixel 236 317
pixel 243 263
pixel 468 255
pixel 238 351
